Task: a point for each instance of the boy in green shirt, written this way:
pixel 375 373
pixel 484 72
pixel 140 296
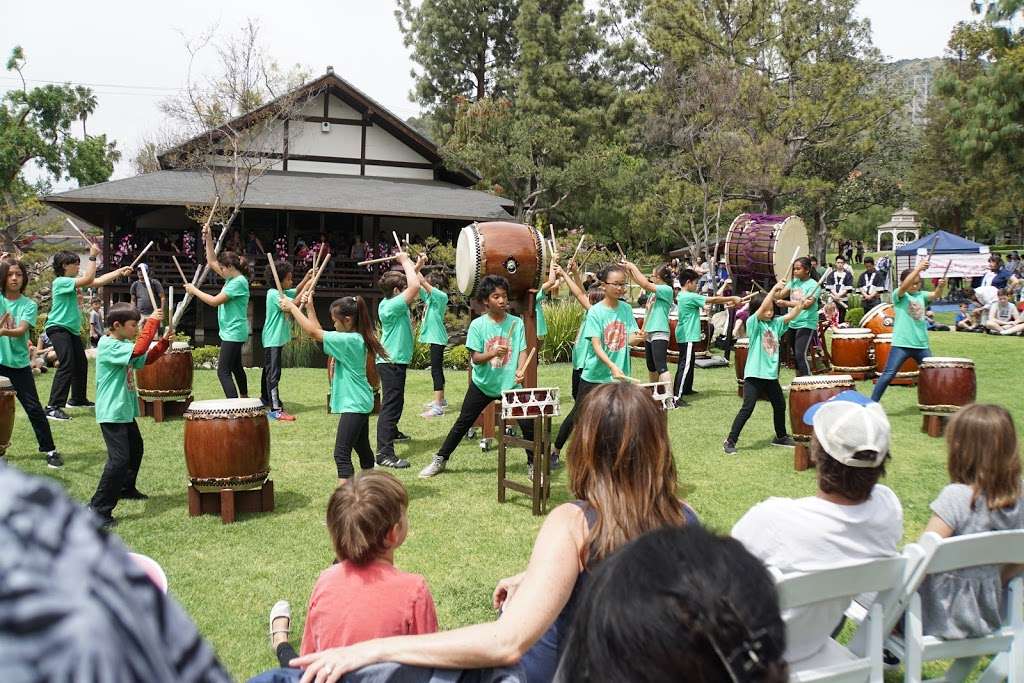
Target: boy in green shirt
pixel 689 305
pixel 117 403
pixel 497 342
pixel 64 328
pixel 761 376
pixel 433 333
pixel 910 326
pixel 400 290
pixel 800 287
pixel 276 333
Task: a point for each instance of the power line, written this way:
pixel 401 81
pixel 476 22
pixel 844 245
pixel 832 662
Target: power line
pixel 91 85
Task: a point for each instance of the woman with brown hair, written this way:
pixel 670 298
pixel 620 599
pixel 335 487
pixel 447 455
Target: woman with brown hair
pixel 622 471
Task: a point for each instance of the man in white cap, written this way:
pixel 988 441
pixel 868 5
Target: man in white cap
pixel 851 517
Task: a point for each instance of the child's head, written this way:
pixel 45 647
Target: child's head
pixel 688 279
pixel 1004 296
pixel 13 276
pixel 983 453
pixel 850 444
pixel 914 286
pixel 595 294
pixel 284 273
pixel 366 517
pixel 615 280
pixel 493 293
pixel 664 274
pixel 65 264
pixel 95 303
pixel 231 259
pixel 392 283
pixel 963 307
pixel 802 268
pixel 123 321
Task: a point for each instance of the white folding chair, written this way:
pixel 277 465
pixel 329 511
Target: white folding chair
pixel 834 662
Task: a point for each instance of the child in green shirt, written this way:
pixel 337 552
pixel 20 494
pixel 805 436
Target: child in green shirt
pixel 800 287
pixel 581 347
pixel 120 352
pixel 353 346
pixel 433 333
pixel 689 305
pixel 497 342
pixel 910 326
pixel 656 328
pixel 276 333
pixel 64 328
pixel 18 318
pixel 761 375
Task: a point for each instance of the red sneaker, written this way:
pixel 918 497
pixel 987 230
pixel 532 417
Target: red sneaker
pixel 282 416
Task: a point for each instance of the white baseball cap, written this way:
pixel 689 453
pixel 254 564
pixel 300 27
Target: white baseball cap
pixel 849 423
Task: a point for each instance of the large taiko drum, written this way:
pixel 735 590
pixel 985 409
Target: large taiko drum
pixel 759 248
pixel 907 373
pixel 227 444
pixel 804 392
pixel 879 319
pixel 740 349
pixel 517 252
pixel 7 396
pixel 170 377
pixel 851 351
pixel 945 385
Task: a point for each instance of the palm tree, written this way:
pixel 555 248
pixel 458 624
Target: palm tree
pixel 85 105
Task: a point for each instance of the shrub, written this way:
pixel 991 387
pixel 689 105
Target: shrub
pixel 563 319
pixel 205 357
pixel 854 314
pixel 456 357
pixel 302 352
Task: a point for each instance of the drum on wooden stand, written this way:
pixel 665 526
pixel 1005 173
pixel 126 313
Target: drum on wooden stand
pixel 538 405
pixel 906 376
pixel 169 378
pixel 516 252
pixel 851 352
pixel 703 347
pixel 804 392
pixel 519 404
pixel 944 386
pixel 7 396
pixel 879 319
pixel 740 349
pixel 227 451
pixel 759 248
pixel 640 314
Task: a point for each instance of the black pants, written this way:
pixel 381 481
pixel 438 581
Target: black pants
pixel 437 366
pixel 577 373
pixel 392 401
pixel 729 341
pixel 752 387
pixel 802 340
pixel 73 372
pixel 25 384
pixel 474 403
pixel 683 383
pixel 124 456
pixel 656 354
pixel 842 308
pixel 271 377
pixel 570 420
pixel 230 371
pixel 353 432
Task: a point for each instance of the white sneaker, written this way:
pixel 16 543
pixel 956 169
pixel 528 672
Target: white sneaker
pixel 434 410
pixel 436 467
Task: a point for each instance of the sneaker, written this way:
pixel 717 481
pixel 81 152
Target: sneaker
pixel 392 461
pixel 106 521
pixel 401 436
pixel 556 462
pixel 433 411
pixel 729 447
pixel 436 467
pixel 784 441
pixel 57 414
pixel 54 461
pixel 680 403
pixel 691 392
pixel 83 404
pixel 444 403
pixel 281 415
pixel 133 494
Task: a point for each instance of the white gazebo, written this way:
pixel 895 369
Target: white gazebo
pixel 903 228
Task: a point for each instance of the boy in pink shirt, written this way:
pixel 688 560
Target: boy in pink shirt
pixel 363 596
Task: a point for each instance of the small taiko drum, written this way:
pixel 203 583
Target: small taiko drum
pixel 760 247
pixel 517 404
pixel 851 352
pixel 661 392
pixel 804 392
pixel 169 377
pixel 907 373
pixel 7 396
pixel 945 385
pixel 740 349
pixel 227 444
pixel 879 319
pixel 703 347
pixel 516 252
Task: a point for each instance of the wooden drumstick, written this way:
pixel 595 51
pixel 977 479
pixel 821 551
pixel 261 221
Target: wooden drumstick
pixel 931 249
pixel 84 236
pixel 621 253
pixel 316 278
pixel 574 253
pixel 948 264
pixel 273 269
pixel 141 254
pixel 398 242
pixel 554 244
pixel 144 269
pixel 792 261
pixel 377 260
pixel 180 271
pixel 529 357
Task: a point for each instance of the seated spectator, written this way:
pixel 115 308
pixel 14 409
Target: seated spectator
pixel 363 595
pixel 623 474
pixel 74 606
pixel 1003 317
pixel 929 317
pixel 984 494
pixel 703 608
pixel 851 517
pixel 966 320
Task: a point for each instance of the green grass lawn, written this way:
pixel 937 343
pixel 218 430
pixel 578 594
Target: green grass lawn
pixel 461 539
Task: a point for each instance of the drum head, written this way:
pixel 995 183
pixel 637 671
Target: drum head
pixel 179 346
pixel 467 259
pixel 883 338
pixel 222 404
pixel 851 331
pixel 944 359
pixel 4 382
pixel 790 236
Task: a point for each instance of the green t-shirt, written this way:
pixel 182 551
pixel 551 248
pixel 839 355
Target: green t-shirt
pixel 64 311
pixel 538 314
pixel 580 348
pixel 497 374
pixel 350 390
pixel 765 342
pixel 396 330
pixel 689 304
pixel 277 331
pixel 233 314
pixel 14 350
pixel 799 290
pixel 910 328
pixel 612 326
pixel 116 397
pixel 657 316
pixel 432 330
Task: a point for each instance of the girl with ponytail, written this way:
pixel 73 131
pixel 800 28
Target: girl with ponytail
pixel 352 344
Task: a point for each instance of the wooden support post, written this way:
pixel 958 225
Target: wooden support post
pixel 801 457
pixel 227 506
pixel 933 425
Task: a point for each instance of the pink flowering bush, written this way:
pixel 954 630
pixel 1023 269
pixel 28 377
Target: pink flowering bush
pixel 124 250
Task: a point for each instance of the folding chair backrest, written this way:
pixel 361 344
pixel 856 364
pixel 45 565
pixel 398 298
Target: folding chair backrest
pixel 894 602
pixel 844 581
pixel 973 550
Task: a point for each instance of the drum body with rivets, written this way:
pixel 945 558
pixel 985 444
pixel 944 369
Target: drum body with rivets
pixel 519 253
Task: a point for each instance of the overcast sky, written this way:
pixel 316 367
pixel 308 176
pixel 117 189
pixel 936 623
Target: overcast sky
pixel 131 53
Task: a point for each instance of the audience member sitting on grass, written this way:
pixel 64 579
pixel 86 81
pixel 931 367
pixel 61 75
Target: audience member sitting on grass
pixel 851 517
pixel 929 317
pixel 966 320
pixel 1003 316
pixel 363 595
pixel 701 607
pixel 984 495
pixel 622 471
